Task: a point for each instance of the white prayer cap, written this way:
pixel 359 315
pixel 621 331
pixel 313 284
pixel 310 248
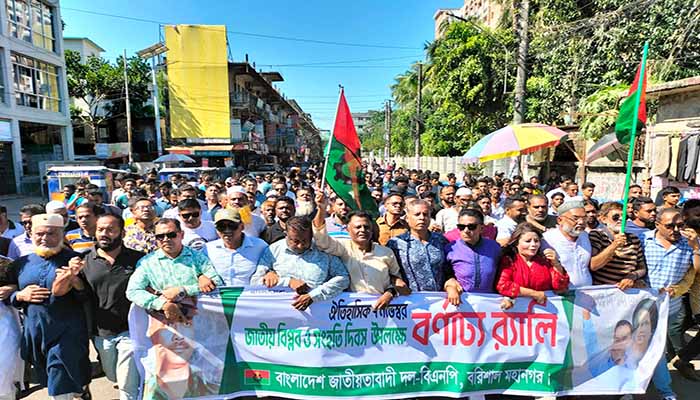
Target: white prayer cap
pixel 54 205
pixel 463 191
pixel 54 220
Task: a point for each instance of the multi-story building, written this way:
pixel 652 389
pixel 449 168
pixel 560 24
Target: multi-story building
pixel 488 12
pixel 35 121
pixel 263 124
pixel 361 119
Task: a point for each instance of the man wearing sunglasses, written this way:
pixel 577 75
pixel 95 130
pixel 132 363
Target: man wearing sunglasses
pixel 235 255
pixel 473 258
pixel 172 272
pixel 617 258
pixel 196 231
pixel 22 244
pixel 570 241
pixel 670 251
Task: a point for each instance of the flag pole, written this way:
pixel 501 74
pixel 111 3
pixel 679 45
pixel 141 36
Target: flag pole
pixel 630 152
pixel 328 146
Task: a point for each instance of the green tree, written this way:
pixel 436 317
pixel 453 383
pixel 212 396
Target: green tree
pixel 99 85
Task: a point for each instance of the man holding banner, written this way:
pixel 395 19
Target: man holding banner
pixel 373 269
pixel 298 264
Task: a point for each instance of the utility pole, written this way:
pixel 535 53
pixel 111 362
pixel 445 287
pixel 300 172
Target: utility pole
pixel 521 77
pixel 419 118
pixel 387 130
pixel 128 111
pixel 153 52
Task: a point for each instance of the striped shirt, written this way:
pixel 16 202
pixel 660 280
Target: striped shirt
pixel 79 242
pixel 627 262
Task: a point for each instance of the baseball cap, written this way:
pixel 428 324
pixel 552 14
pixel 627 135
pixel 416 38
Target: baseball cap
pixel 228 214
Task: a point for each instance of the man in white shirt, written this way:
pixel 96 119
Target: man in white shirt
pixel 563 183
pixel 447 217
pixel 187 192
pixel 515 213
pixel 570 240
pixel 196 232
pixel 235 255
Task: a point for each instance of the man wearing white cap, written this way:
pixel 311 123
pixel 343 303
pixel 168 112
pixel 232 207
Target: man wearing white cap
pixel 447 217
pixel 57 207
pixel 51 295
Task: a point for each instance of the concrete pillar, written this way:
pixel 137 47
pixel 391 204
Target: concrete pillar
pixel 17 153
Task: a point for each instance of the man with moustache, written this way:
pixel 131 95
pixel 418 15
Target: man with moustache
pixel 643 216
pixel 537 213
pixel 234 255
pixel 570 241
pixel 51 295
pixel 284 210
pixel 515 213
pixel 106 270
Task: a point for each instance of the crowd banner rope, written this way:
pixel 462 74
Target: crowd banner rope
pixel 241 342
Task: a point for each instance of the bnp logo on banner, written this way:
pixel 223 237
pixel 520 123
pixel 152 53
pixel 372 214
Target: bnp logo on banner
pixel 257 377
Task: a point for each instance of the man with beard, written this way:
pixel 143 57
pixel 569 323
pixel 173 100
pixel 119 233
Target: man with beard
pixel 570 241
pixel 592 222
pixel 235 255
pixel 616 258
pixel 284 210
pixel 670 251
pixel 305 202
pixel 82 240
pixel 51 295
pixel 515 213
pixel 643 216
pixel 298 264
pixel 196 231
pixel 254 224
pixel 537 215
pixel 267 212
pixel 447 217
pixel 140 235
pixel 107 270
pixel 337 223
pixel 22 244
pixel 165 277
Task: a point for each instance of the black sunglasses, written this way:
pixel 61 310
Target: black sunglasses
pixel 471 227
pixel 189 215
pixel 169 235
pixel 225 227
pixel 616 217
pixel 679 225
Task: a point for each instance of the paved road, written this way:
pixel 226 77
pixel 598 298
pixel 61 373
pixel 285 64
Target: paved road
pixel 102 389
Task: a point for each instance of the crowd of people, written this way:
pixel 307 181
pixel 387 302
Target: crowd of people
pixel 74 267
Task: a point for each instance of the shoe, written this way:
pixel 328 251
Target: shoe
pixel 686 370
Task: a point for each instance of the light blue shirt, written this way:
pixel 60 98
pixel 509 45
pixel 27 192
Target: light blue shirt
pixel 236 267
pixel 666 266
pixel 325 274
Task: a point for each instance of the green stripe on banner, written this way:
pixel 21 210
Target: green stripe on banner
pixel 399 378
pixel 231 381
pixel 565 376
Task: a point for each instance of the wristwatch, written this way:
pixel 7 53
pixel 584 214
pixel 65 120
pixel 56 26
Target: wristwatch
pixel 392 290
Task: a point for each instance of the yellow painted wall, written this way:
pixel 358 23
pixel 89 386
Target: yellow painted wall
pixel 198 81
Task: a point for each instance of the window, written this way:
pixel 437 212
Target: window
pixel 35 83
pixel 31 21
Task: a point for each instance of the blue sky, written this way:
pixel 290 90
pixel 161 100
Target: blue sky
pixel 400 23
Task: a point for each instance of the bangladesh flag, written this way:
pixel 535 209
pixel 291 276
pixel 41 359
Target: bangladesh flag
pixel 344 165
pixel 626 117
pixel 256 377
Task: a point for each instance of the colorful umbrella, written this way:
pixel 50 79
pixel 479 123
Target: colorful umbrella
pixel 514 140
pixel 605 146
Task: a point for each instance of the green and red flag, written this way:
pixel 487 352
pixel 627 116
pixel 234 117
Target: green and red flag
pixel 633 102
pixel 256 377
pixel 633 115
pixel 343 170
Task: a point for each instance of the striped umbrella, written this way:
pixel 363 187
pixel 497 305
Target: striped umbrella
pixel 605 146
pixel 514 140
